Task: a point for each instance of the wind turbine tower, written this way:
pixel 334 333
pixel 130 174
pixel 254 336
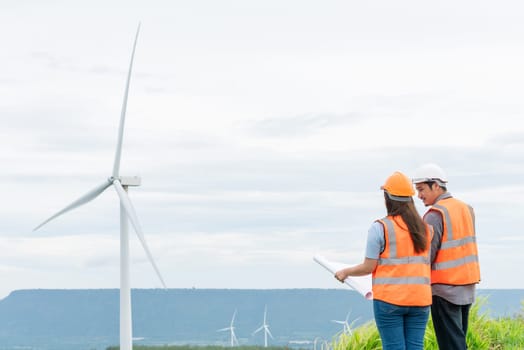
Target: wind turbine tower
pixel 231 329
pixel 127 213
pixel 264 327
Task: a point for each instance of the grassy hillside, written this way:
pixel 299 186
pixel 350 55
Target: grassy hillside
pixel 484 333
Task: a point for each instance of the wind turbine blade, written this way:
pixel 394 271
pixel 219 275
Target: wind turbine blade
pixel 353 322
pixel 258 330
pixel 233 319
pixel 131 214
pixel 268 332
pixel 223 329
pixel 89 196
pixel 116 165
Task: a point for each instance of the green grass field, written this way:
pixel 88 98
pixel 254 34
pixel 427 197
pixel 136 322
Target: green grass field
pixel 484 333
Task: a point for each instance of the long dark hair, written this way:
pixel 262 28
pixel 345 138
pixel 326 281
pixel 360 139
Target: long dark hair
pixel 408 213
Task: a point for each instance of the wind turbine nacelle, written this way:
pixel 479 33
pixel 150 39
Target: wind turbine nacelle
pixel 130 180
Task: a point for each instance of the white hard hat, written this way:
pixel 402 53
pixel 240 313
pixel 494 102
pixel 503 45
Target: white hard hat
pixel 430 172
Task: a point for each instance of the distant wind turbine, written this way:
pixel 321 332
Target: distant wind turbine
pixel 231 329
pixel 127 212
pixel 324 345
pixel 347 326
pixel 264 327
pixel 315 341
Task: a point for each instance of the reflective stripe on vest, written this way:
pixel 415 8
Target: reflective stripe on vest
pixel 401 280
pixel 458 242
pixel 406 260
pixel 456 262
pixel 402 276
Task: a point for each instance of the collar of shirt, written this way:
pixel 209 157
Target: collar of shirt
pixel 444 196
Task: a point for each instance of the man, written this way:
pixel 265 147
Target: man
pixel 454 257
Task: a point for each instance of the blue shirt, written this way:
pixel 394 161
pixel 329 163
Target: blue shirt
pixel 376 242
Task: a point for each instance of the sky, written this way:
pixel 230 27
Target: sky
pixel 261 130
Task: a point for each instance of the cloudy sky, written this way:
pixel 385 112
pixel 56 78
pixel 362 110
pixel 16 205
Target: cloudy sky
pixel 261 130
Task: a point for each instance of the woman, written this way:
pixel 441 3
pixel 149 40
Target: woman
pixel 397 255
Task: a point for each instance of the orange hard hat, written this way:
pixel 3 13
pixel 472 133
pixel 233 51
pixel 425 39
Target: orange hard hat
pixel 398 187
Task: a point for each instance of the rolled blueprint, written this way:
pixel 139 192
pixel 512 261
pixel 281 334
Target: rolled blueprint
pixel 361 284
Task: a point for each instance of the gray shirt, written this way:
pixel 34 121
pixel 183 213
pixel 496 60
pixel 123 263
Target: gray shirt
pixel 458 295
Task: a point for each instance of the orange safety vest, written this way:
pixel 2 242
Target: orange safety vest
pixel 402 276
pixel 456 262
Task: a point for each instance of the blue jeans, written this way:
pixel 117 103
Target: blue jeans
pixel 401 327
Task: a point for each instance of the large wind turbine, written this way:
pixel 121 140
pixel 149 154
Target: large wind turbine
pixel 127 212
pixel 264 327
pixel 231 329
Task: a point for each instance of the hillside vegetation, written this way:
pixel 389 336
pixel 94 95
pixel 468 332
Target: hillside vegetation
pixel 484 333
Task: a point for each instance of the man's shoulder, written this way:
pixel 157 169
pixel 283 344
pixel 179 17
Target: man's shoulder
pixel 450 199
pixel 461 205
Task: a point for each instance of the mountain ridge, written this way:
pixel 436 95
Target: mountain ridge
pixel 88 318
